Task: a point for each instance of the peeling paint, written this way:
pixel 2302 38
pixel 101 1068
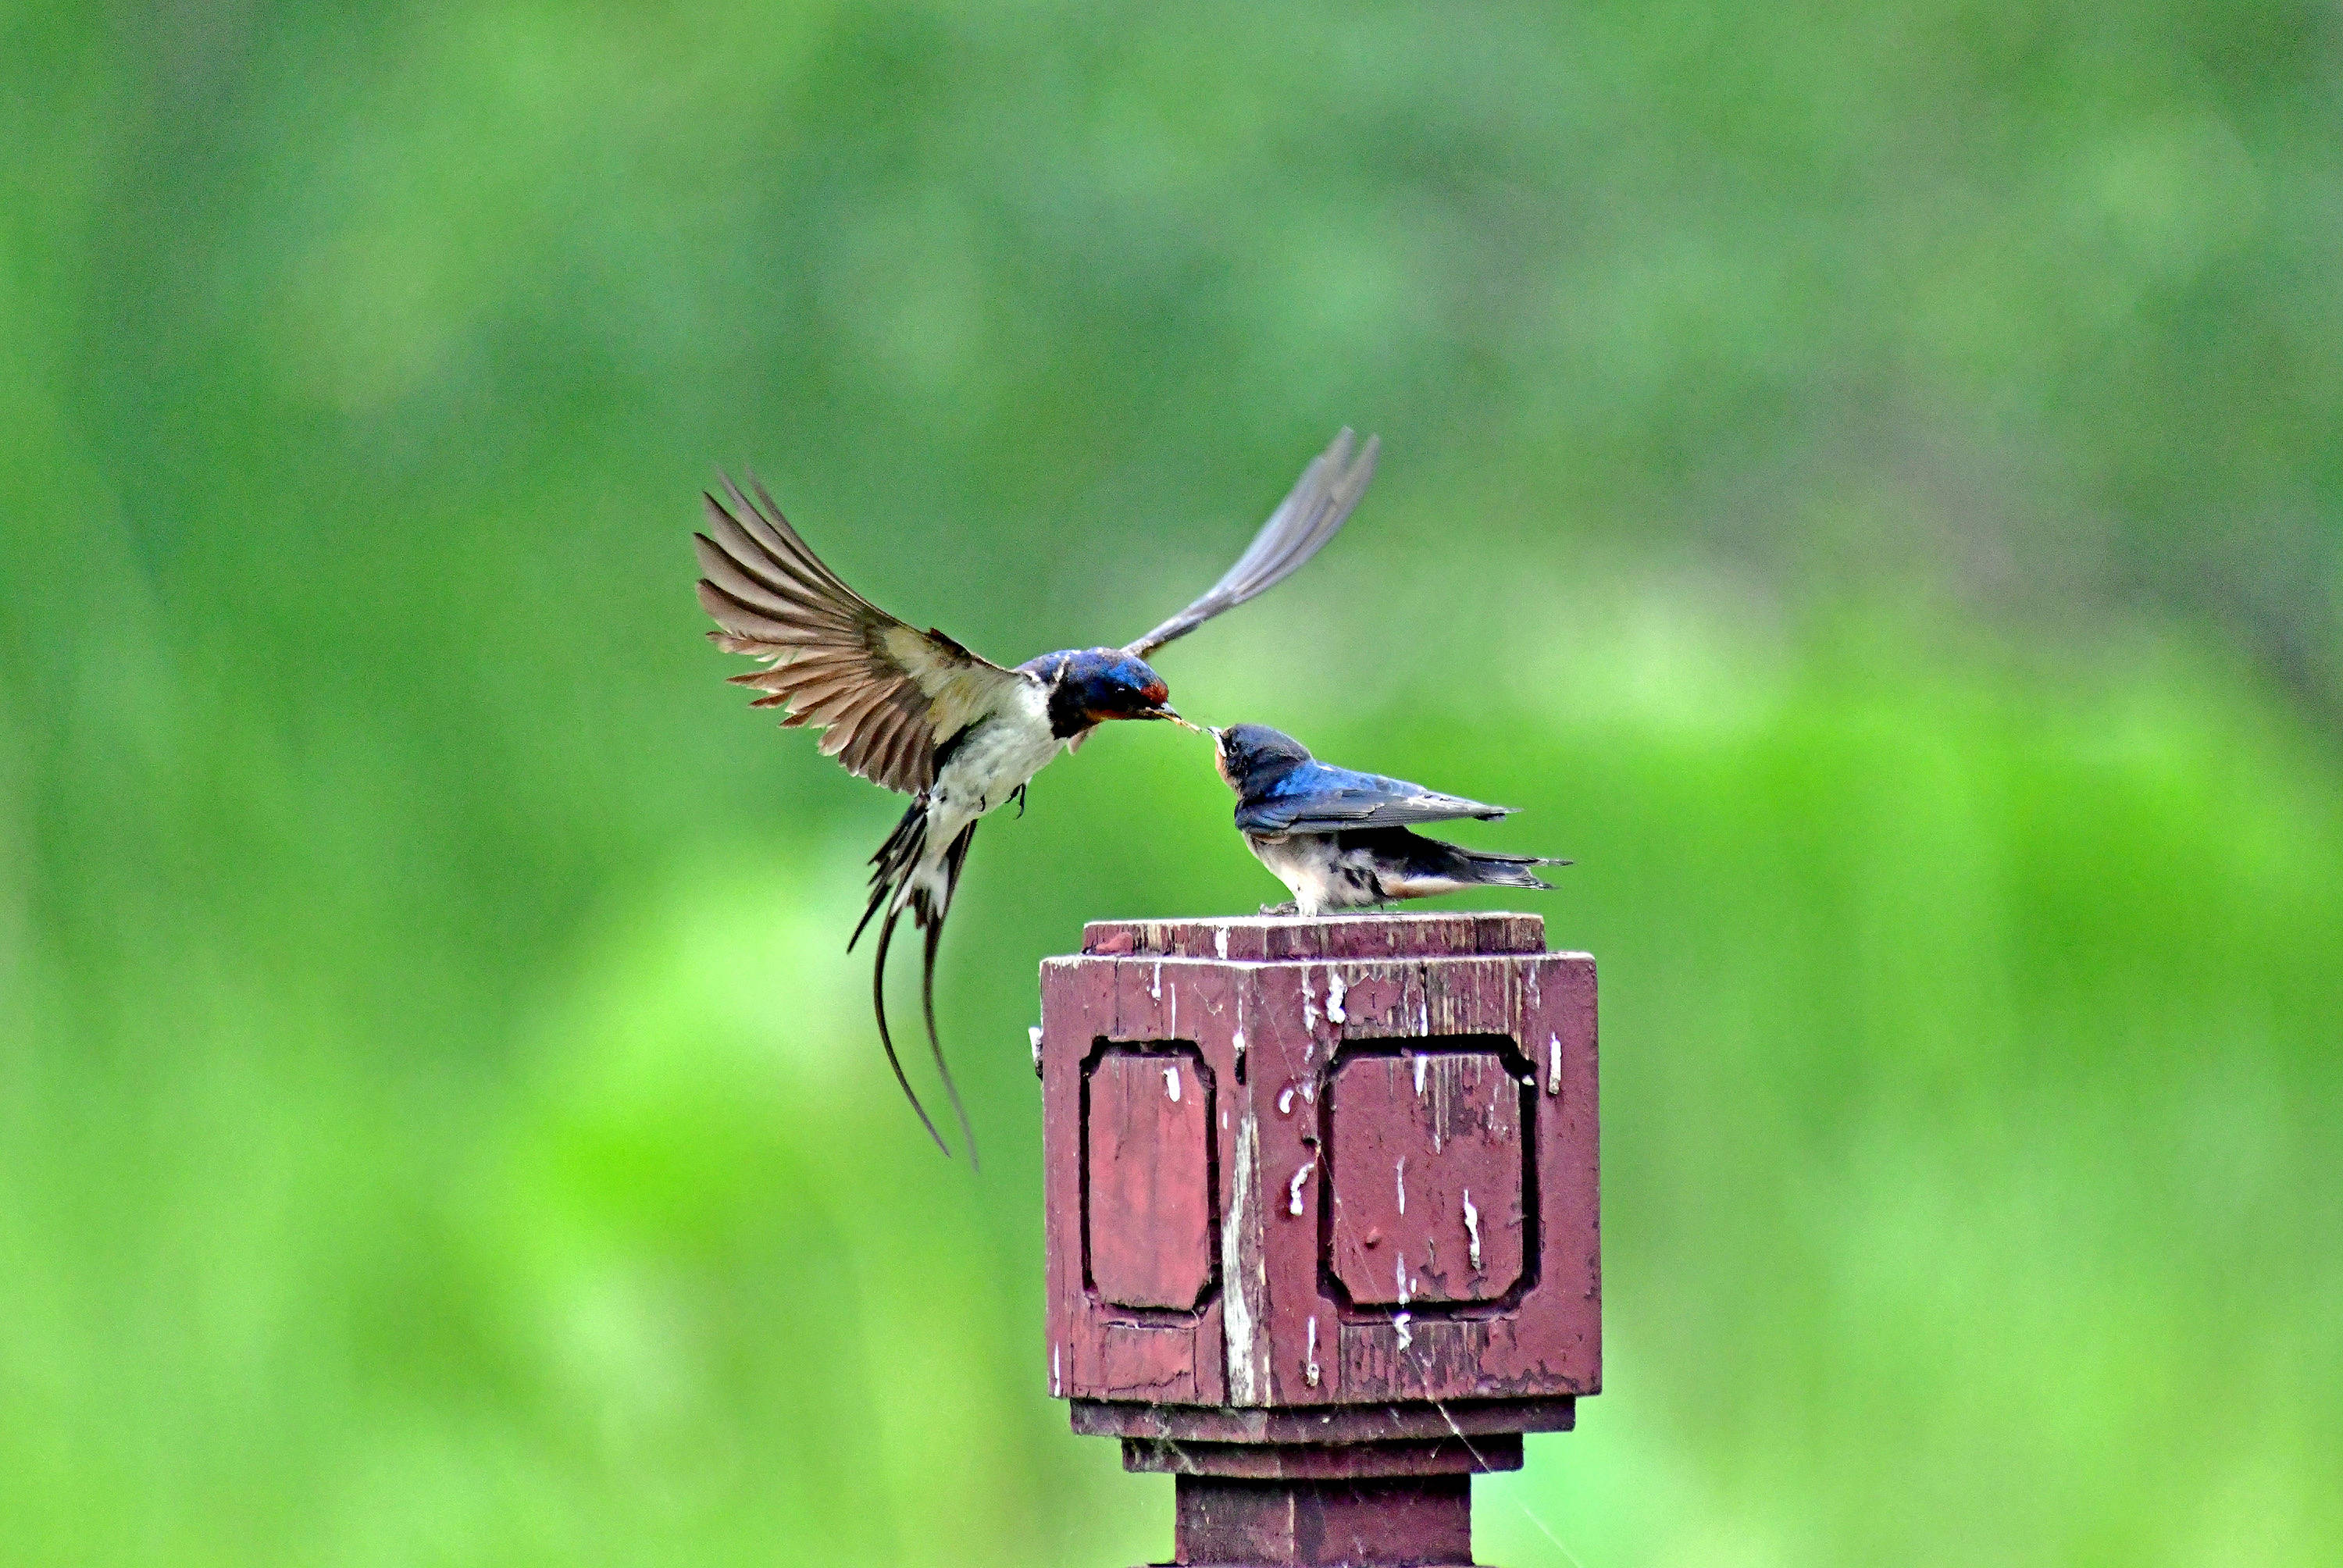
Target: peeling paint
pixel 1243 1270
pixel 1171 1083
pixel 1454 1088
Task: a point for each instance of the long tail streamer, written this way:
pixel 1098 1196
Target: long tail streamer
pixel 894 887
pixel 878 1007
pixel 933 920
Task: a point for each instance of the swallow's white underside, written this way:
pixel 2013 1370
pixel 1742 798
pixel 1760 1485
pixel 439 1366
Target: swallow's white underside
pixel 1322 877
pixel 1003 749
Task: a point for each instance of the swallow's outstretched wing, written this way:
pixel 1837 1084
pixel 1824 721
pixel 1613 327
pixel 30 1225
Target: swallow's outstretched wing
pixel 1311 514
pixel 886 694
pixel 1316 798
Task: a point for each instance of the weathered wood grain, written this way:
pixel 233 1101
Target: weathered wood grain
pixel 1268 939
pixel 1147 1208
pixel 1216 1251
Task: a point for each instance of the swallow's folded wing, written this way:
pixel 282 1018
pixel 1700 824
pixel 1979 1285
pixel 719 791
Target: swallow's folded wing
pixel 885 693
pixel 1311 514
pixel 1315 798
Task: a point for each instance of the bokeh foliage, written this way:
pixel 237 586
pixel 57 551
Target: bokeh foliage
pixel 1862 478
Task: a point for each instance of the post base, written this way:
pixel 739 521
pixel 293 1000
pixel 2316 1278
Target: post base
pixel 1403 1521
pixel 1323 1461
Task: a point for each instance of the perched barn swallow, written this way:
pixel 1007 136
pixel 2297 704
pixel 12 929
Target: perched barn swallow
pixel 1338 839
pixel 919 713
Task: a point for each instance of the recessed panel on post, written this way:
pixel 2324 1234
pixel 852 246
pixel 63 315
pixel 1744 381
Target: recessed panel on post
pixel 1147 1213
pixel 1427 1172
pixel 1322 1206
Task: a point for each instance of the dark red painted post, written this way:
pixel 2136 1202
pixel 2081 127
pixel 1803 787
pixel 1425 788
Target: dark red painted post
pixel 1322 1213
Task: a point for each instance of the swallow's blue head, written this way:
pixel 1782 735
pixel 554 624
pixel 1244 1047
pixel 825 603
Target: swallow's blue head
pixel 1095 684
pixel 1252 756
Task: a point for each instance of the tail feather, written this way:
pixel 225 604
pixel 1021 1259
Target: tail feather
pixel 1416 867
pixel 878 1007
pixel 1496 871
pixel 894 862
pixel 932 917
pixel 896 883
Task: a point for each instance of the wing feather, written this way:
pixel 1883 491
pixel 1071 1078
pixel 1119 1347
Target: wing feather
pixel 737 584
pixel 884 743
pixel 1321 799
pixel 752 556
pixel 884 693
pixel 1312 512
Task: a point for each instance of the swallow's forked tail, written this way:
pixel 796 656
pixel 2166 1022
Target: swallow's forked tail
pixel 1426 865
pixel 1490 869
pixel 902 875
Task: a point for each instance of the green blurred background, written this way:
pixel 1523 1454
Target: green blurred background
pixel 1865 478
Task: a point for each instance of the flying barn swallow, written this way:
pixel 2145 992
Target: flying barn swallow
pixel 1338 839
pixel 917 712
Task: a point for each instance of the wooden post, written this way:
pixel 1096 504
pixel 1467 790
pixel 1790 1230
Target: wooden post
pixel 1322 1235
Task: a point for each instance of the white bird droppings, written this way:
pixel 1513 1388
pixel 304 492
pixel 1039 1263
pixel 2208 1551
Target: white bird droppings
pixel 1400 1321
pixel 1309 1006
pixel 1423 1059
pixel 1310 1358
pixel 1401 1180
pixel 1554 1064
pixel 1285 1101
pixel 1221 942
pixel 1033 1033
pixel 1171 1083
pixel 1294 1188
pixel 1473 1230
pixel 1335 990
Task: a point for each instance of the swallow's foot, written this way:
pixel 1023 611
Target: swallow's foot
pixel 1281 911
